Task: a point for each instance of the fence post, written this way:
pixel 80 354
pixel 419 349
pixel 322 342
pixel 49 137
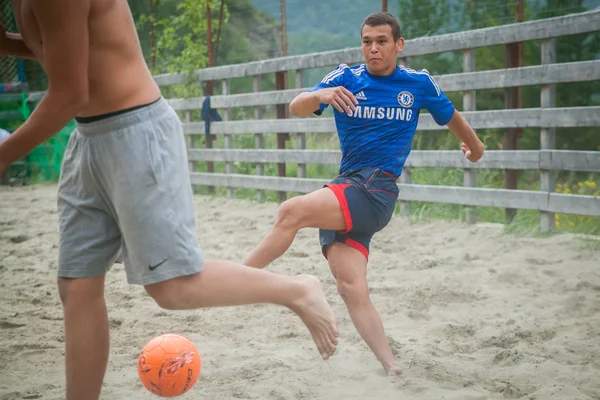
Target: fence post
pixel 547 135
pixel 191 140
pixel 208 89
pixel 228 137
pixel 282 138
pixel 301 135
pixel 259 139
pixel 405 205
pixel 469 104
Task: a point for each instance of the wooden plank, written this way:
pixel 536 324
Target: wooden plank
pixel 10 97
pixel 493 79
pixel 579 71
pixel 259 138
pixel 573 204
pixel 560 160
pixel 492 159
pixel 482 197
pixel 524 31
pixel 570 160
pixel 10 115
pixel 258 182
pixel 470 104
pixel 522 118
pixel 268 156
pixel 547 134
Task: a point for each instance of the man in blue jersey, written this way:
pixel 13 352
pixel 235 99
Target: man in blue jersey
pixel 376 109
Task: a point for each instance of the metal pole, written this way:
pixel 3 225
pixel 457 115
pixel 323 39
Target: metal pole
pixel 284 47
pixel 219 31
pixel 152 37
pixel 281 109
pixel 513 100
pixel 209 90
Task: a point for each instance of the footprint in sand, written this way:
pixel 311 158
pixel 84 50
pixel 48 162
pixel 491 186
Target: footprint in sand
pixel 19 239
pixel 115 323
pixel 298 254
pixel 10 325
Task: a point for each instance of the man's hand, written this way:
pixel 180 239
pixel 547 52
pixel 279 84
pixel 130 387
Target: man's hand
pixel 473 155
pixel 339 97
pixel 308 102
pixel 472 147
pixel 12 44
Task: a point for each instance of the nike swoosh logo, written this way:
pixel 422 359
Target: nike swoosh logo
pixel 153 267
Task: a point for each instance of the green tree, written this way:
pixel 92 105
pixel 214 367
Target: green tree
pixel 181 38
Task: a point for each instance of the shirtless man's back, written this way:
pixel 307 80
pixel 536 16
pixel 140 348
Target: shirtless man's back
pixel 125 190
pixel 118 76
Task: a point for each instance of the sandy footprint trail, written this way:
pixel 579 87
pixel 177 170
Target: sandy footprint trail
pixel 473 313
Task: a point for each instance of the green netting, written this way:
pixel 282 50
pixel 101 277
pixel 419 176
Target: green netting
pixel 45 161
pixel 42 164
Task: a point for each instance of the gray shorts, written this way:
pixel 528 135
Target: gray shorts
pixel 125 193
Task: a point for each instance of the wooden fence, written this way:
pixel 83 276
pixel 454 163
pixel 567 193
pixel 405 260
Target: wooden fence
pixel 547 117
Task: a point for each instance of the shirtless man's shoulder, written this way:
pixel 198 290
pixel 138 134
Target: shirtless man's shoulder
pixel 92 46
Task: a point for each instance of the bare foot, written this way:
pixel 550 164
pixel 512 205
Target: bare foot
pixel 316 313
pixel 393 370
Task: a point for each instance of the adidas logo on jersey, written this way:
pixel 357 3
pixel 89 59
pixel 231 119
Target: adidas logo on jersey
pixel 360 96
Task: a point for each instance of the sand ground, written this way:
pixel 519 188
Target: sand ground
pixel 473 313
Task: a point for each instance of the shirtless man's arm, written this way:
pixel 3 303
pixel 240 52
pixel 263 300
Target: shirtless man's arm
pixel 63 26
pixel 11 44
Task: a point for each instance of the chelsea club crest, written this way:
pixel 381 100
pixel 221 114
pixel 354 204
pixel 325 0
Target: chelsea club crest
pixel 406 99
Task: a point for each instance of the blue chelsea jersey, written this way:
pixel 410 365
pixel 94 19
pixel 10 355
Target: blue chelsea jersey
pixel 379 133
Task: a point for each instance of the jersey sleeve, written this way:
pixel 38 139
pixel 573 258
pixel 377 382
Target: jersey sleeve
pixel 436 102
pixel 333 79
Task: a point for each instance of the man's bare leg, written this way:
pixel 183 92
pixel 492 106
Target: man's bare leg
pixel 319 209
pixel 86 336
pixel 224 283
pixel 349 267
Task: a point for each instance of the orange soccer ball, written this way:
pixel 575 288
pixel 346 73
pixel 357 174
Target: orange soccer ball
pixel 169 365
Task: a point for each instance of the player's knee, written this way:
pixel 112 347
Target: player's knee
pixel 352 290
pixel 165 299
pixel 80 291
pixel 168 295
pixel 289 214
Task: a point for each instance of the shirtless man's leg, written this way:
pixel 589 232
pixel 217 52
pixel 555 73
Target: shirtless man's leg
pixel 124 188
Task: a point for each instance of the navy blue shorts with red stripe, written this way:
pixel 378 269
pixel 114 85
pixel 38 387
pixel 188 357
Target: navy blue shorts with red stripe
pixel 367 197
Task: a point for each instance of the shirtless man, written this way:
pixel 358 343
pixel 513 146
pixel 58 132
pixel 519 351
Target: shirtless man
pixel 125 187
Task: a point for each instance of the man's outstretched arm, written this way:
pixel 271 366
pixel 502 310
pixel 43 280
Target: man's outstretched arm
pixel 472 147
pixel 64 29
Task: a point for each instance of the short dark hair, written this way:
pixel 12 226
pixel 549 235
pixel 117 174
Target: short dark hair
pixel 383 18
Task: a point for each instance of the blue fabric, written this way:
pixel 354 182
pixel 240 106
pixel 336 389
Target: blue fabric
pixel 208 114
pixel 379 133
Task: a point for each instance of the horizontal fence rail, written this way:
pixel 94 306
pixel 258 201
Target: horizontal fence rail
pixel 524 31
pixel 516 118
pixel 482 197
pixel 556 160
pixel 495 79
pixel 581 71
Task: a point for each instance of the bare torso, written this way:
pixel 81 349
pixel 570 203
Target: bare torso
pixel 118 75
